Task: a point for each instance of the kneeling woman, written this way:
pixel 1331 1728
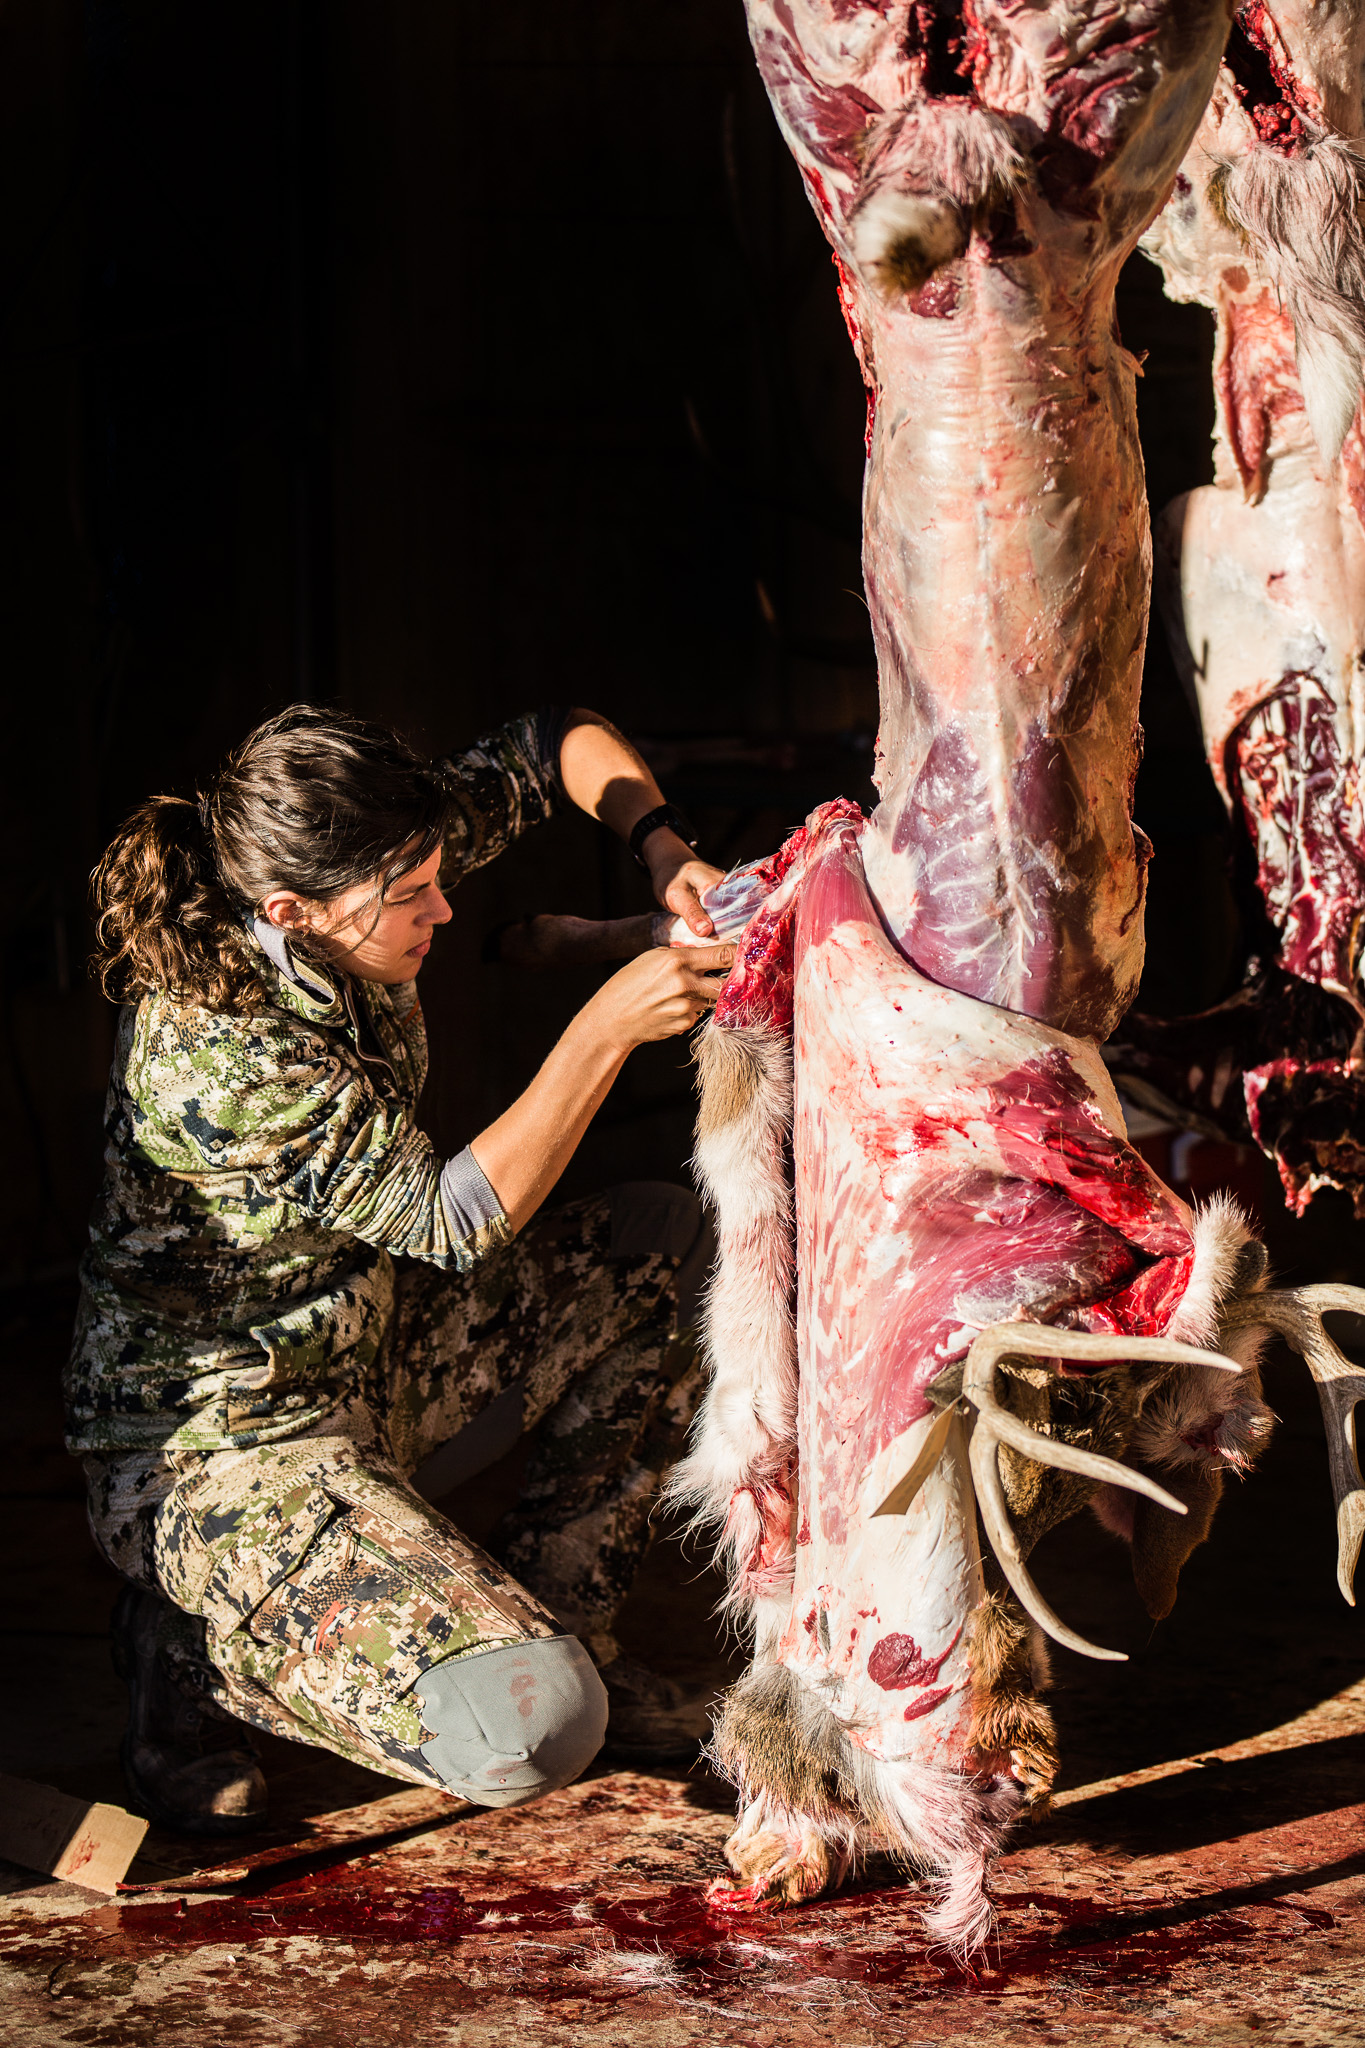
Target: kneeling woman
pixel 253 1381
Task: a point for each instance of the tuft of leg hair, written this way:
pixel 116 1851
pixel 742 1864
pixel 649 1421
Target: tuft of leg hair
pixel 773 1735
pixel 739 1071
pixel 928 170
pixel 1197 1414
pixel 812 1795
pixel 947 1825
pixel 744 1435
pixel 1301 216
pixel 1009 1722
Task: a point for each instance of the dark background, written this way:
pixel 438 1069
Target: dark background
pixel 443 358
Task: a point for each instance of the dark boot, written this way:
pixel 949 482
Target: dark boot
pixel 650 1719
pixel 189 1766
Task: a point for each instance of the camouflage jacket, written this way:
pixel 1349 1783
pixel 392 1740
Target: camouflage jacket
pixel 260 1171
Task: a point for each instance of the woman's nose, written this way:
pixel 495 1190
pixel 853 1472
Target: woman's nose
pixel 440 911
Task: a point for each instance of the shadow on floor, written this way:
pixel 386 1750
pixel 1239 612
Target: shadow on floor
pixel 1222 1890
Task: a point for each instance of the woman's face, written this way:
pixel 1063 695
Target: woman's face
pixel 387 944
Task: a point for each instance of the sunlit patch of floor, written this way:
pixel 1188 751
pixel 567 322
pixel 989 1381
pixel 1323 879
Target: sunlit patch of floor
pixel 1200 1881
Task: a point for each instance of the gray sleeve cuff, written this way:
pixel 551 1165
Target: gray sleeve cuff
pixel 469 1202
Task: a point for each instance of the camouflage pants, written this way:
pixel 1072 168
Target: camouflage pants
pixel 315 1586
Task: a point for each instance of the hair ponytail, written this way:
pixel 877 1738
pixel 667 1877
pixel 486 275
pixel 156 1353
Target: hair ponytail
pixel 163 918
pixel 313 800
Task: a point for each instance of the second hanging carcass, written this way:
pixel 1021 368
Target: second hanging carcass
pixel 1261 579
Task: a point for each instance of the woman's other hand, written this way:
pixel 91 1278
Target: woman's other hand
pixel 665 991
pixel 678 878
pixel 604 774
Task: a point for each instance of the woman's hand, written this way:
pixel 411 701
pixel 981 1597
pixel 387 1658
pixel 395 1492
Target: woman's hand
pixel 678 878
pixel 665 991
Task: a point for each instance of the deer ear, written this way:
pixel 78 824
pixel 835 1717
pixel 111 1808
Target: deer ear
pixel 1162 1542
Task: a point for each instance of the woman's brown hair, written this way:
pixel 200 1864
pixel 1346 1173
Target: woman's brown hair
pixel 313 800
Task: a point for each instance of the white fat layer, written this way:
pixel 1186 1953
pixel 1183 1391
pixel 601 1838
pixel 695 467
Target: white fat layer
pixel 1267 591
pixel 1020 395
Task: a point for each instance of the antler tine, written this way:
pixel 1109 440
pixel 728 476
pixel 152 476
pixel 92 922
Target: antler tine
pixel 995 1519
pixel 1040 1340
pixel 1297 1314
pixel 996 1425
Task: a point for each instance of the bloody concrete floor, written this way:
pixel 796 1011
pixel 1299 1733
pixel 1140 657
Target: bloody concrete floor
pixel 1202 1877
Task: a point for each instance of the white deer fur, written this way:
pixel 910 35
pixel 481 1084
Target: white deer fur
pixel 1200 1415
pixel 1301 215
pixel 746 1429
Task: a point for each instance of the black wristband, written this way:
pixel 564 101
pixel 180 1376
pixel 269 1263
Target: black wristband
pixel 662 814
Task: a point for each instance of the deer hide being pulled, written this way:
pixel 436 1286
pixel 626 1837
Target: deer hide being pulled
pixel 994 1297
pixel 957 1168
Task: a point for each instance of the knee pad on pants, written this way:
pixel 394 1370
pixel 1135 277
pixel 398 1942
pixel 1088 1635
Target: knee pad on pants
pixel 514 1723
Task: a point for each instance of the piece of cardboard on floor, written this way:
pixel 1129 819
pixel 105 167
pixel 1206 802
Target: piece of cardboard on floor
pixel 80 1840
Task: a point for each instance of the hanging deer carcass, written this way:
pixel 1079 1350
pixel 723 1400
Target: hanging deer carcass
pixel 963 1202
pixel 966 1295
pixel 1262 581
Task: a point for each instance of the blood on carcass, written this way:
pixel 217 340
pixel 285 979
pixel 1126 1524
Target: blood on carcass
pixel 1005 552
pixel 955 1165
pixel 916 997
pixel 1264 582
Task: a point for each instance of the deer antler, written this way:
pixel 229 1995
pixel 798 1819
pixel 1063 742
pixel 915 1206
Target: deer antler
pixel 1297 1314
pixel 996 1425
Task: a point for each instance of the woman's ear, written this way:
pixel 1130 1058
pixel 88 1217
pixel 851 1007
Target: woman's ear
pixel 287 911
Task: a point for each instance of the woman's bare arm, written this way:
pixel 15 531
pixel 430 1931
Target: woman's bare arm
pixel 602 773
pixel 660 994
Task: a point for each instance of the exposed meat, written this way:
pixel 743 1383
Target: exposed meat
pixel 982 173
pixel 956 1166
pixel 1301 800
pixel 1262 575
pixel 973 1236
pixel 1273 1064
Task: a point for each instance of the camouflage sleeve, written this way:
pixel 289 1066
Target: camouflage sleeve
pixel 502 785
pixel 314 1136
